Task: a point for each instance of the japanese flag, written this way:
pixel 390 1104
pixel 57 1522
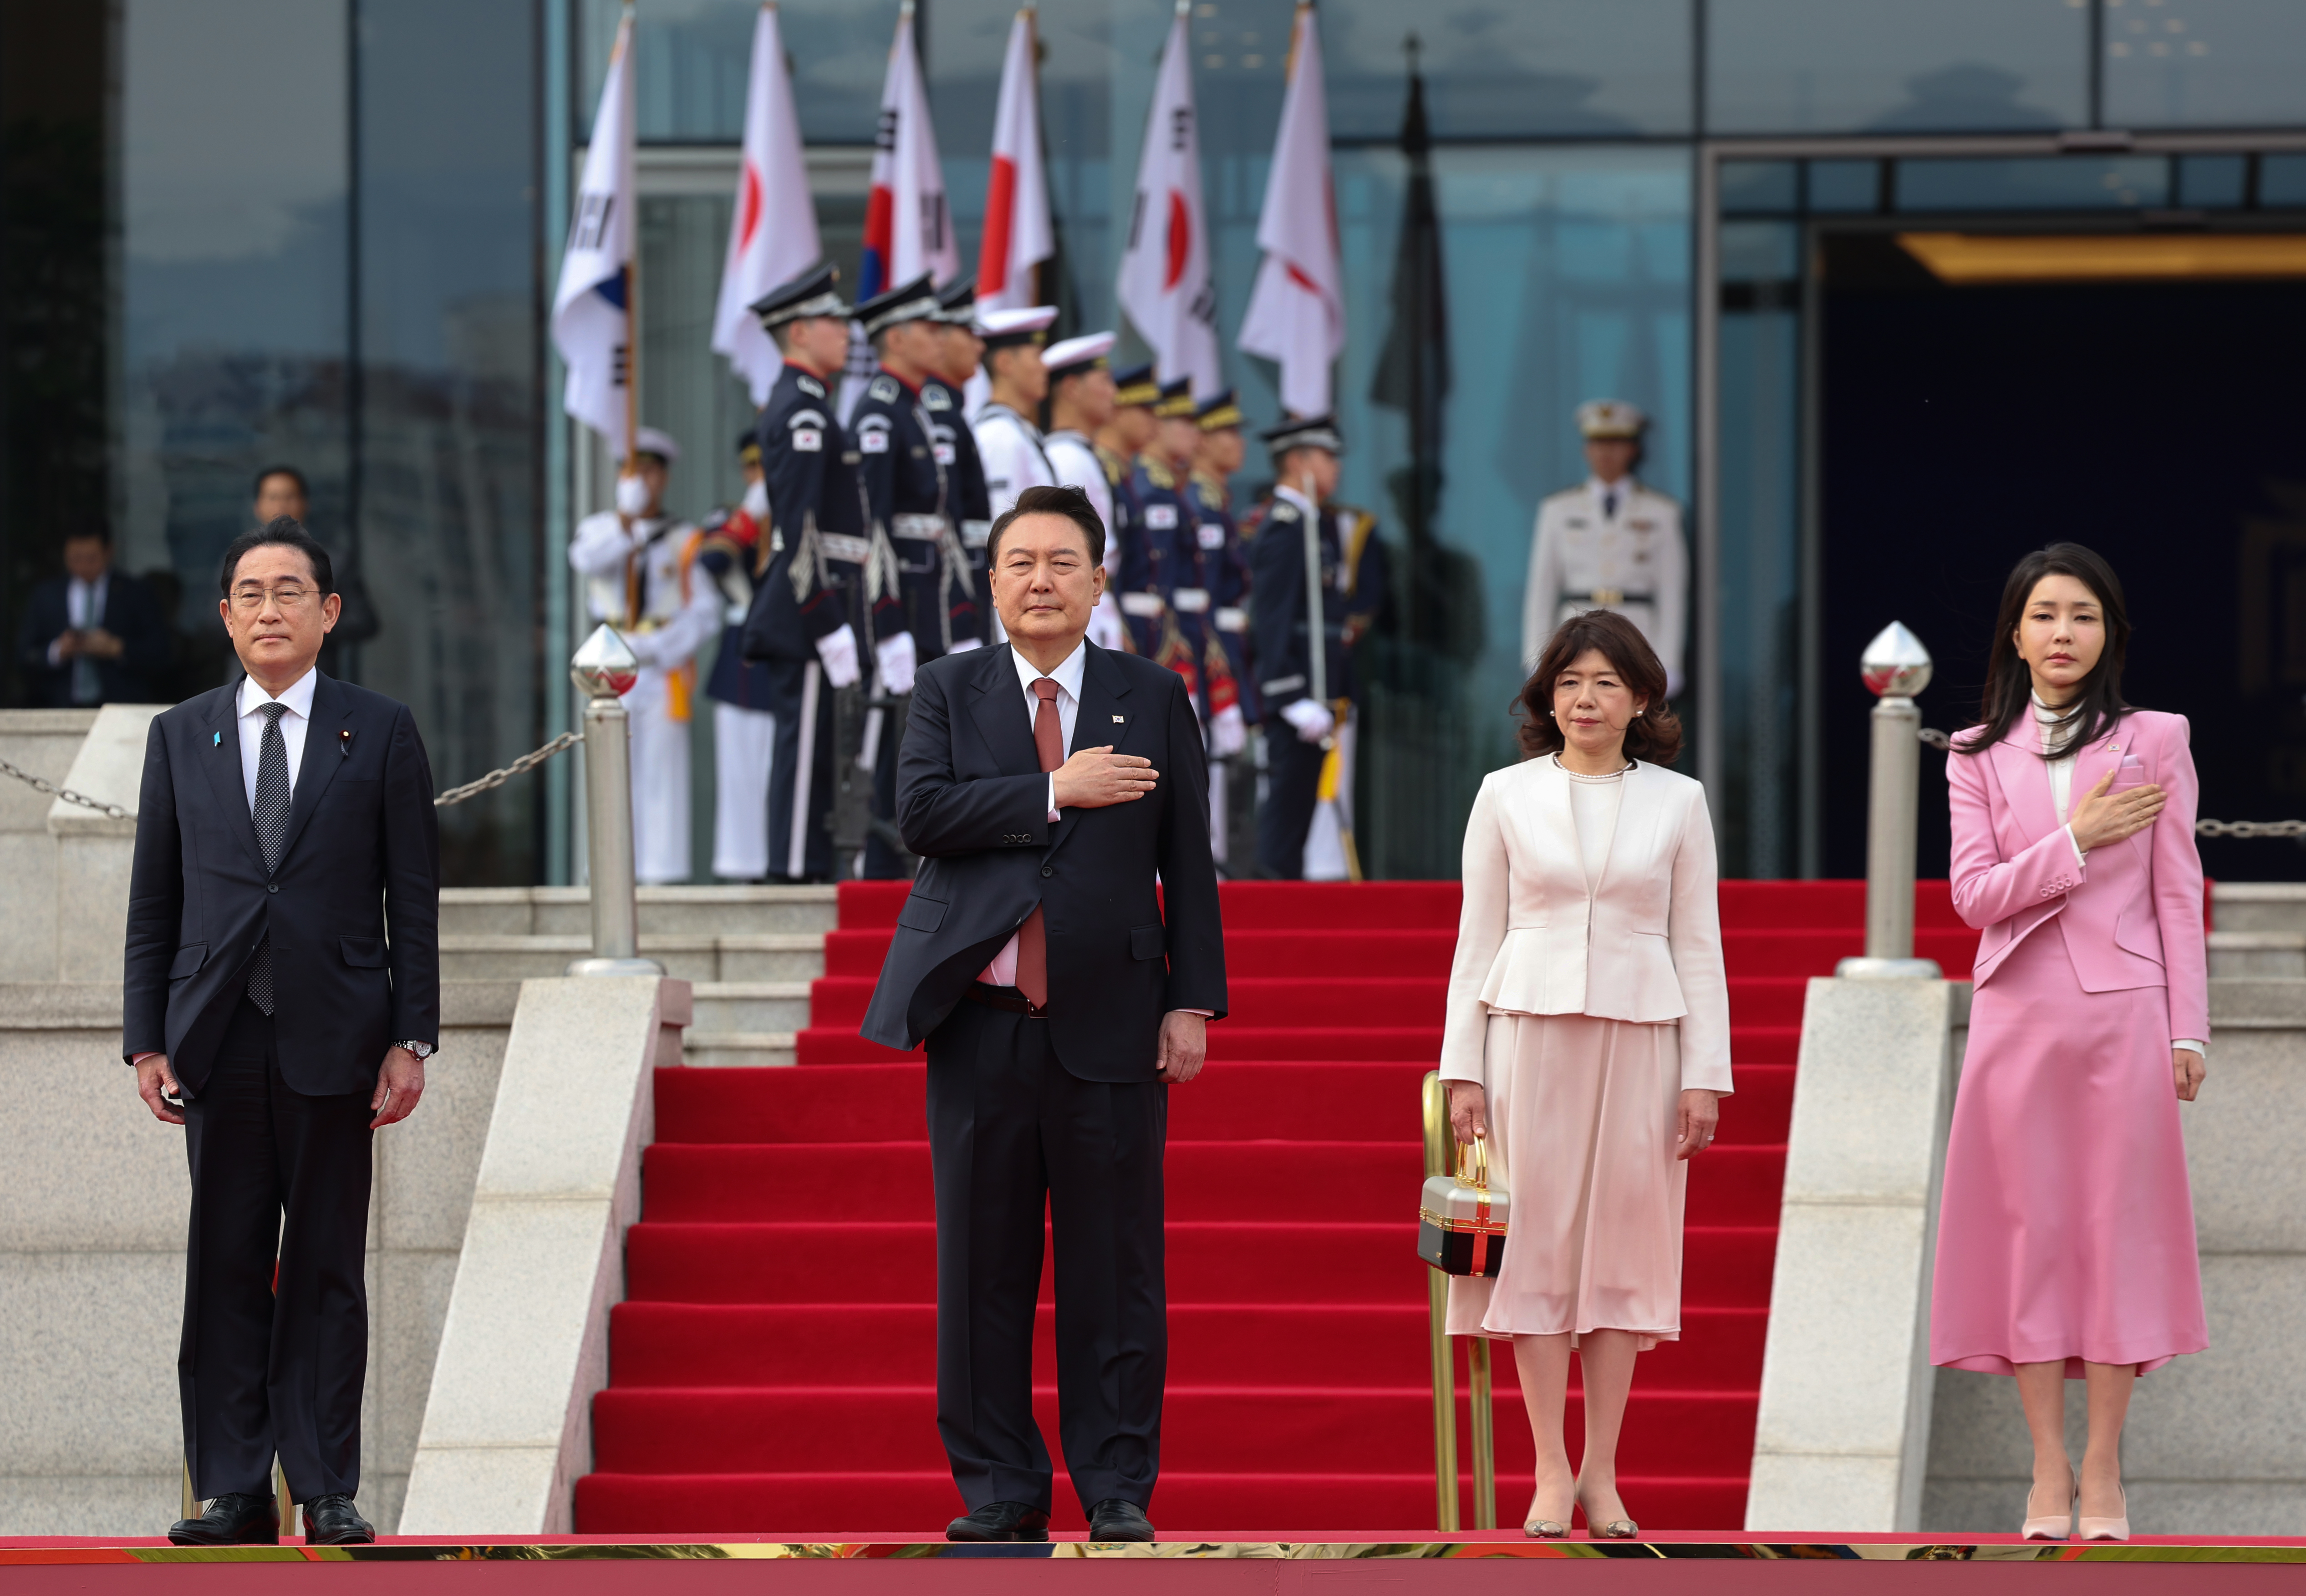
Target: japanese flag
pixel 589 323
pixel 772 233
pixel 1018 233
pixel 1297 311
pixel 1165 286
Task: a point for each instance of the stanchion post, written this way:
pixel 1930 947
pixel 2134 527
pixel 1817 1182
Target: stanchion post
pixel 1895 666
pixel 1484 1436
pixel 1437 1301
pixel 604 670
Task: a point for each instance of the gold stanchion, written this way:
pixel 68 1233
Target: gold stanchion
pixel 1437 1286
pixel 191 1503
pixel 282 1499
pixel 1484 1436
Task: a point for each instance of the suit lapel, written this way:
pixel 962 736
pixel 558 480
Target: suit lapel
pixel 1000 716
pixel 2026 780
pixel 331 710
pixel 221 757
pixel 1103 717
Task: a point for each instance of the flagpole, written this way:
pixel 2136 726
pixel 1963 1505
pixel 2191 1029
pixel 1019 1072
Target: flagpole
pixel 632 279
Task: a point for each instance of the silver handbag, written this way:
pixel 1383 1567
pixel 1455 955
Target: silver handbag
pixel 1461 1223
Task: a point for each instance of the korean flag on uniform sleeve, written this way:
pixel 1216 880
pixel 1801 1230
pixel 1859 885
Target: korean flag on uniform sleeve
pixel 589 323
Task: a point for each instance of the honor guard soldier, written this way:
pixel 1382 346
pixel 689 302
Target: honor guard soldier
pixel 1610 544
pixel 638 579
pixel 944 395
pixel 811 605
pixel 1081 403
pixel 1221 564
pixel 1006 435
pixel 1164 597
pixel 1317 583
pixel 730 551
pixel 1119 442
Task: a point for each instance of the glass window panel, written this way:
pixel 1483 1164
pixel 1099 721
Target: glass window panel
pixel 1760 251
pixel 1550 68
pixel 1845 186
pixel 693 55
pixel 2281 181
pixel 1889 66
pixel 2197 63
pixel 2051 182
pixel 2213 180
pixel 1770 187
pixel 233 331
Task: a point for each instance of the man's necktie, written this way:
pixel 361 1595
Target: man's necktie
pixel 1610 505
pixel 1032 936
pixel 270 813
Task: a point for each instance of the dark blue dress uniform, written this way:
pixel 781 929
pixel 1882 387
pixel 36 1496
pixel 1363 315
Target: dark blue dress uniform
pixel 1156 563
pixel 732 552
pixel 813 584
pixel 954 443
pixel 1353 591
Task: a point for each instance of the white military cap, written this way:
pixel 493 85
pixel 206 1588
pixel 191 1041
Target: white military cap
pixel 1611 418
pixel 1079 353
pixel 649 440
pixel 1027 326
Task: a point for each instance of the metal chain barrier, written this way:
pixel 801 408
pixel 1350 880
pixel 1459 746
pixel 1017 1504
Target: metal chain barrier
pixel 455 795
pixel 2202 828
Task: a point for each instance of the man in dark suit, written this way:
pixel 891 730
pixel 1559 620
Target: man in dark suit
pixel 1059 1004
pixel 283 992
pixel 94 634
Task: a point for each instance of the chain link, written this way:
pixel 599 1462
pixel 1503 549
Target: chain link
pixel 455 795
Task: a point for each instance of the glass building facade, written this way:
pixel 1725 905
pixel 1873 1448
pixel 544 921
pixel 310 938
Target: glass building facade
pixel 323 231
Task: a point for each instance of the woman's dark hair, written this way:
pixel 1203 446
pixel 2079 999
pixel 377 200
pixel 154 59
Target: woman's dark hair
pixel 1655 733
pixel 284 531
pixel 2010 685
pixel 1070 503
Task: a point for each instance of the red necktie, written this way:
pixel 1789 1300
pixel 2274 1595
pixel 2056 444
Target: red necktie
pixel 1032 936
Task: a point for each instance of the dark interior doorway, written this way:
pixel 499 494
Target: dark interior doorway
pixel 2162 423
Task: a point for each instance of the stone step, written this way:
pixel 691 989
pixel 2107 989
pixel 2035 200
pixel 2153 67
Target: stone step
pixel 2257 1004
pixel 750 1006
pixel 2259 906
pixel 2241 954
pixel 774 956
pixel 517 911
pixel 742 1050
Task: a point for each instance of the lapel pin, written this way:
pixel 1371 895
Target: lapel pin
pixel 1120 720
pixel 216 740
pixel 344 744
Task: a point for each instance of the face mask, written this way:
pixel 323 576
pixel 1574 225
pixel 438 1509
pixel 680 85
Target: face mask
pixel 632 496
pixel 756 501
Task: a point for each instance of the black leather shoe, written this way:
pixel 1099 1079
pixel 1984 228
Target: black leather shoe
pixel 1001 1521
pixel 1116 1520
pixel 236 1518
pixel 334 1521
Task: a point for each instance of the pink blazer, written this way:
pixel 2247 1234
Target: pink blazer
pixel 2133 911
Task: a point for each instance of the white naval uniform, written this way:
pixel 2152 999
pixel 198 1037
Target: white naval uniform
pixel 674 624
pixel 1014 458
pixel 1589 552
pixel 1073 458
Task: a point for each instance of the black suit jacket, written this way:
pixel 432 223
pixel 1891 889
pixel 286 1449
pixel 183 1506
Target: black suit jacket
pixel 971 801
pixel 354 911
pixel 131 613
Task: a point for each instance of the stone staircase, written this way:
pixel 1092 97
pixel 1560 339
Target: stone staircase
pixel 750 951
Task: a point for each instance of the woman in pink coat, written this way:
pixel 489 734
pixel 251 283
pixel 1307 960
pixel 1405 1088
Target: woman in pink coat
pixel 2066 1240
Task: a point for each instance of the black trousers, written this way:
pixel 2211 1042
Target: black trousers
pixel 268 1369
pixel 1293 786
pixel 790 680
pixel 1011 1134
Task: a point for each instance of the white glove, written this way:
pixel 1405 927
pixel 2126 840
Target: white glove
pixel 896 657
pixel 756 501
pixel 1311 718
pixel 961 645
pixel 838 649
pixel 643 644
pixel 632 496
pixel 1228 733
pixel 1105 627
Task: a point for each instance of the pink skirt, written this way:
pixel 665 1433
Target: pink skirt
pixel 2067 1228
pixel 1582 1118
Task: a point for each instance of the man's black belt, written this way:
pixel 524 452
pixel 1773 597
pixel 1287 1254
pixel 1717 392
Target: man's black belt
pixel 1005 998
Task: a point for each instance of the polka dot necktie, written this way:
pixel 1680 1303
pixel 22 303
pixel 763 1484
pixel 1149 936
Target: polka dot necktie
pixel 270 813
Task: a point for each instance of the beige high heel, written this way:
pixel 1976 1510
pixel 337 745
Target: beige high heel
pixel 1617 1529
pixel 2107 1529
pixel 2053 1527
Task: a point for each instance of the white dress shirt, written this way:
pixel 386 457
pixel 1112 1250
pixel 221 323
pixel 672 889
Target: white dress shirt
pixel 293 727
pixel 1003 970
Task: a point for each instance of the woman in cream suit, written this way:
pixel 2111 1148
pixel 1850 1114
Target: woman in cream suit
pixel 2066 1235
pixel 1587 1040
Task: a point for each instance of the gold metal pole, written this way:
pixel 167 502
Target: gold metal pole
pixel 1437 1285
pixel 281 1498
pixel 191 1503
pixel 1484 1436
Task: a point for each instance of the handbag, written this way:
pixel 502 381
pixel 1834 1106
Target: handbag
pixel 1461 1223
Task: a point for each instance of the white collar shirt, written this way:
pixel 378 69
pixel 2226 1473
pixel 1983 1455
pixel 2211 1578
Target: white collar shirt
pixel 293 728
pixel 1003 970
pixel 84 600
pixel 1610 497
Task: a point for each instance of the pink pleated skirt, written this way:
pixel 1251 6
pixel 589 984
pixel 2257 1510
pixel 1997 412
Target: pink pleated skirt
pixel 2067 1228
pixel 1581 1119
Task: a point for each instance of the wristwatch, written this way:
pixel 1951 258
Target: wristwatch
pixel 422 1050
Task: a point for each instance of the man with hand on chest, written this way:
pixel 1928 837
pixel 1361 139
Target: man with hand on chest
pixel 1062 953
pixel 282 987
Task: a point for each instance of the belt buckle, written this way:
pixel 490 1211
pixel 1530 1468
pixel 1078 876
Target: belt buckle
pixel 1605 598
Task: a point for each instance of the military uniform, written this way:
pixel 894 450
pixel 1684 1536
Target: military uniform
pixel 828 584
pixel 639 579
pixel 1163 605
pixel 1132 387
pixel 1074 458
pixel 955 443
pixel 1309 698
pixel 730 549
pixel 1613 546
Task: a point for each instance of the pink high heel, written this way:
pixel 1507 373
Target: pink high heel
pixel 2108 1529
pixel 2054 1527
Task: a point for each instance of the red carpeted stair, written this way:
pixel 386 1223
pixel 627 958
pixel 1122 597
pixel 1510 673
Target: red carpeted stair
pixel 774 1367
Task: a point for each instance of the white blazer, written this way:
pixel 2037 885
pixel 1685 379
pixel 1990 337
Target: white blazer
pixel 1645 946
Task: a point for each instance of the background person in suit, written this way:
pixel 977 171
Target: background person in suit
pixel 282 989
pixel 1059 1006
pixel 94 634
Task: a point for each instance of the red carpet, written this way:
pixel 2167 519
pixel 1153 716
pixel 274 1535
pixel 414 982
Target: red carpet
pixel 773 1368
